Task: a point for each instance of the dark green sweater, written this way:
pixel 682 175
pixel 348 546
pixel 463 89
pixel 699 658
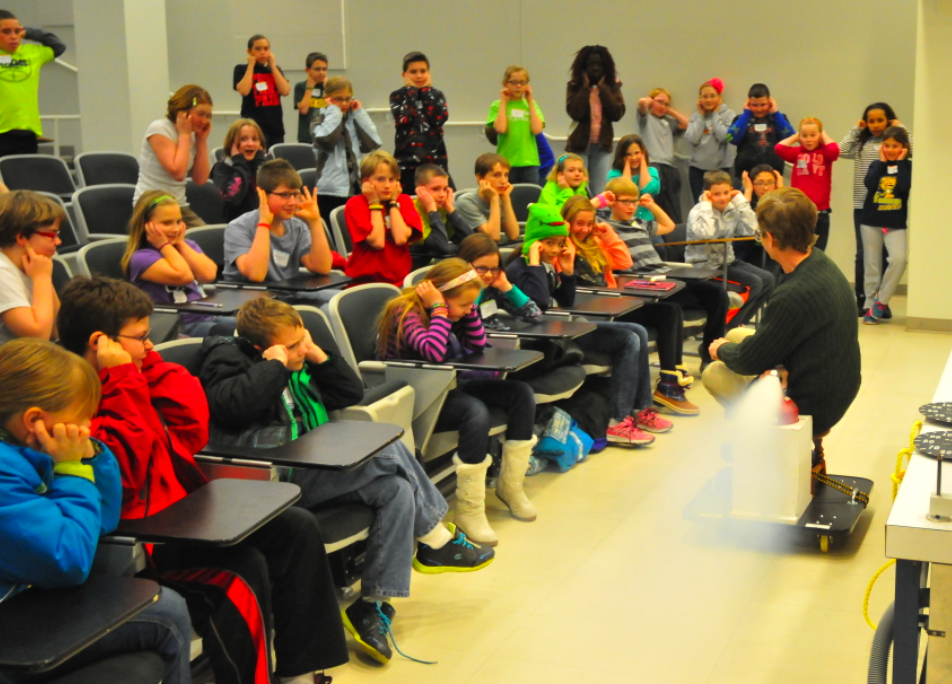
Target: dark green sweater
pixel 809 327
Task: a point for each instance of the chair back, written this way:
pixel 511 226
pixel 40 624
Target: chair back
pixel 103 210
pixel 101 168
pixel 676 253
pixel 416 276
pixel 69 237
pixel 308 178
pixel 217 154
pixel 316 323
pixel 354 314
pixel 301 155
pixel 103 258
pixel 206 201
pixel 341 235
pixel 37 172
pixel 212 241
pixel 186 353
pixel 62 274
pixel 524 194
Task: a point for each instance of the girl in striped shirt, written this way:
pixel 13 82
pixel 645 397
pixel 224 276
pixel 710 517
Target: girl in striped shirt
pixel 437 321
pixel 862 144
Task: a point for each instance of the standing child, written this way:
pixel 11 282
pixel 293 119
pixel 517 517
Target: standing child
pixel 262 84
pixel 309 95
pixel 60 491
pixel 545 271
pixel 593 101
pixel 341 137
pixel 436 321
pixel 435 203
pixel 812 169
pixel 517 120
pixel 29 236
pixel 419 112
pixel 235 174
pixel 489 209
pixel 633 163
pixel 755 132
pixel 161 262
pixel 885 219
pixel 658 124
pixel 862 145
pixel 382 222
pixel 707 133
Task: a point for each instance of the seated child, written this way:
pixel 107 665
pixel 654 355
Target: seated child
pixel 59 491
pixel 632 161
pixel 382 222
pixel 545 271
pixel 273 370
pixel 482 253
pixel 762 179
pixel 283 234
pixel 29 236
pixel 637 234
pixel 154 417
pixel 165 265
pixel 598 252
pixel 441 222
pixel 724 212
pixel 309 95
pixel 489 209
pixel 235 175
pixel 567 178
pixel 419 112
pixel 756 130
pixel 436 321
pixel 341 134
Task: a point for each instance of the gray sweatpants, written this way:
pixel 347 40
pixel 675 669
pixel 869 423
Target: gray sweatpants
pixel 874 280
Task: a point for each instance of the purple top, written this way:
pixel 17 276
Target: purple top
pixel 441 341
pixel 142 260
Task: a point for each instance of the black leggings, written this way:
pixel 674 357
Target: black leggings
pixel 466 409
pixel 711 296
pixel 285 566
pixel 668 319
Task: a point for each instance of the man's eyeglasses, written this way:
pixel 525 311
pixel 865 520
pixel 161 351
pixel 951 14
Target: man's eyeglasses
pixel 287 195
pixel 141 338
pixel 483 270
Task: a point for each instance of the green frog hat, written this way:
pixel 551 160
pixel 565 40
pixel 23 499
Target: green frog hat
pixel 544 222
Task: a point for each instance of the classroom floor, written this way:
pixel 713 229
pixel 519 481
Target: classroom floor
pixel 613 584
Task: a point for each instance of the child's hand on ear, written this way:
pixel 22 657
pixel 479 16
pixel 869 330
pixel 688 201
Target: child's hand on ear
pixel 265 214
pixel 64 442
pixel 528 94
pixel 313 353
pixel 110 353
pixel 862 123
pixel 277 352
pixel 706 196
pixel 183 123
pixel 426 199
pixel 646 200
pixel 252 60
pixel 747 104
pixel 355 105
pixel 202 131
pixel 773 106
pixel 506 192
pixel 610 198
pixel 501 281
pixel 895 122
pixel 567 258
pixel 504 96
pixel 601 228
pixel 747 183
pixel 779 177
pixel 155 236
pixel 701 109
pixel 368 191
pixel 560 179
pixel 430 295
pixel 882 154
pixel 535 253
pixel 36 265
pixel 904 153
pixel 734 193
pixel 450 199
pixel 487 191
pixel 307 208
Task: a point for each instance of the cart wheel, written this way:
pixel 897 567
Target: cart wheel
pixel 825 544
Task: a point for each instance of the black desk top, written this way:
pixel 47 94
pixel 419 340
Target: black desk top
pixel 221 513
pixel 545 328
pixel 635 292
pixel 490 359
pixel 338 445
pixel 679 273
pixel 220 302
pixel 42 628
pixel 310 282
pixel 611 307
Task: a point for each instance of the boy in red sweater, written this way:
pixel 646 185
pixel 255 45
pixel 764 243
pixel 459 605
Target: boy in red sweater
pixel 154 417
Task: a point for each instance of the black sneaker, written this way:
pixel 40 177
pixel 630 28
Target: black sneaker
pixel 457 555
pixel 369 623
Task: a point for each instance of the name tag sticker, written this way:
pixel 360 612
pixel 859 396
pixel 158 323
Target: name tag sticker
pixel 519 113
pixel 281 258
pixel 178 295
pixel 760 128
pixel 488 308
pixel 892 169
pixel 6 59
pixel 261 85
pixel 802 163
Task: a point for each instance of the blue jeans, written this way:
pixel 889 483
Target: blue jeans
pixel 598 162
pixel 627 344
pixel 406 506
pixel 163 628
pixel 524 174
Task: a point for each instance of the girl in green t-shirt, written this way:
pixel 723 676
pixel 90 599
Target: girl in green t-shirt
pixel 516 120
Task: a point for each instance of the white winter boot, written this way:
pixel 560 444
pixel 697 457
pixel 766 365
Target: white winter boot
pixel 471 501
pixel 515 462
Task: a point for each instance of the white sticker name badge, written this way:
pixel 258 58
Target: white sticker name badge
pixel 281 258
pixel 892 170
pixel 6 59
pixel 261 85
pixel 760 128
pixel 518 114
pixel 489 308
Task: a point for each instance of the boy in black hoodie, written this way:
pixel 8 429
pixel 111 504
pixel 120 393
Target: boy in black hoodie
pixel 272 383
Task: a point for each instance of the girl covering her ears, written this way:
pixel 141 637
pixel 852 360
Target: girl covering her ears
pixel 234 175
pixel 812 169
pixel 567 179
pixel 633 162
pixel 175 149
pixel 707 134
pixel 435 321
pixel 546 272
pixel 165 265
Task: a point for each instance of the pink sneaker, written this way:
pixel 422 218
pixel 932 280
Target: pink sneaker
pixel 627 434
pixel 650 420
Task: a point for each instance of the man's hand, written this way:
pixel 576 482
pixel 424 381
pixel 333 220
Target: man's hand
pixel 109 352
pixel 277 352
pixel 715 345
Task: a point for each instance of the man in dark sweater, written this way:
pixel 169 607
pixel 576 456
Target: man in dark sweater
pixel 809 325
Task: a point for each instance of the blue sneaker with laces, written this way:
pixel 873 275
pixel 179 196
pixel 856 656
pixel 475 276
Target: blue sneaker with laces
pixel 369 623
pixel 875 313
pixel 457 555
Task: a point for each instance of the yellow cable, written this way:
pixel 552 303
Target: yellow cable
pixel 900 472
